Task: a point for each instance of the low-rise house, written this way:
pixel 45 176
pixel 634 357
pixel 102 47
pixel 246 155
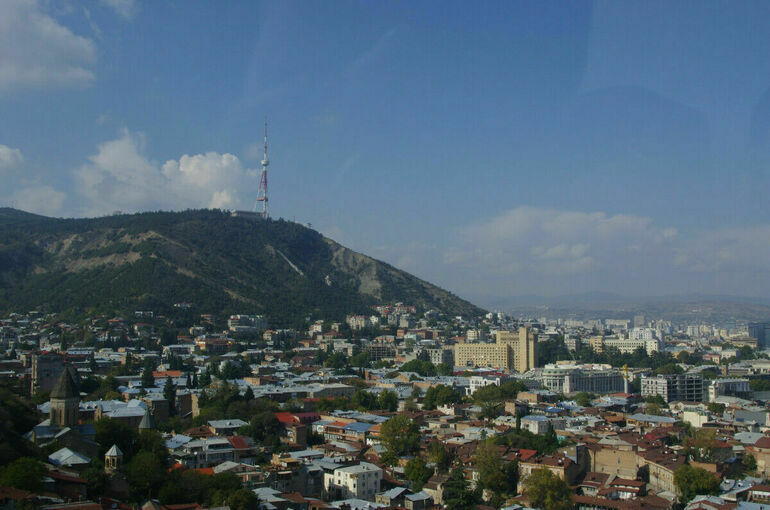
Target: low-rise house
pixel 360 481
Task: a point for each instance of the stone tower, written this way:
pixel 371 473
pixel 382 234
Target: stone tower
pixel 113 459
pixel 65 401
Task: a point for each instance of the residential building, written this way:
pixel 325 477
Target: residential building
pixel 441 355
pixel 729 387
pixel 568 379
pixel 514 350
pixel 361 481
pixel 674 387
pixel 760 331
pixel 246 324
pixel 624 345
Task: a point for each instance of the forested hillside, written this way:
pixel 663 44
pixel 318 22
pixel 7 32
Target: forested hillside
pixel 220 263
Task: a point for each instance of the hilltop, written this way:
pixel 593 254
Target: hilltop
pixel 220 263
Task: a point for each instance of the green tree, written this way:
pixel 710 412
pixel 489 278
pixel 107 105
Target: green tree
pixel 654 409
pixel 544 489
pixel 169 393
pixel 109 432
pixel 336 360
pixel 360 360
pixel 584 399
pixel 148 381
pixel 691 481
pixel 716 407
pixel 417 472
pixel 749 463
pixel 424 368
pixel 96 479
pixel 388 401
pixel 242 499
pixel 364 400
pixel 489 464
pixel 410 405
pixel 16 418
pixel 670 368
pixel 25 473
pixel 701 445
pixel 511 477
pixel 401 436
pixel 457 493
pixel 656 399
pixel 145 473
pixel 440 395
pixel 746 352
pixel 439 455
pixel 263 428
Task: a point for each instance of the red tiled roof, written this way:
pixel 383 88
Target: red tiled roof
pixel 626 481
pixel 183 506
pixel 285 417
pixel 238 442
pixel 764 442
pixel 66 478
pixel 167 373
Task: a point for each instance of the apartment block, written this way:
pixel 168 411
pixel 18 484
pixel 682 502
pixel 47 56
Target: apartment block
pixel 674 387
pixel 514 350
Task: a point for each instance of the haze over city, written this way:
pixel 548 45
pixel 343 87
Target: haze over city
pixel 513 149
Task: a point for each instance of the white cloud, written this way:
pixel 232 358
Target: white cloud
pixel 10 157
pixel 37 51
pixel 127 9
pixel 120 177
pixel 551 241
pixel 39 199
pixel 548 251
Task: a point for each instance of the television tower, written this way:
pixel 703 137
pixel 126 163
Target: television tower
pixel 262 191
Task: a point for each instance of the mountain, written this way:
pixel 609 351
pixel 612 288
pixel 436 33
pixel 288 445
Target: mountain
pixel 220 263
pixel 706 308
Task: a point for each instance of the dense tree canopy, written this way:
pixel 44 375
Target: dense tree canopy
pixel 439 396
pixel 401 436
pixel 692 481
pixel 544 489
pixel 417 472
pixel 25 473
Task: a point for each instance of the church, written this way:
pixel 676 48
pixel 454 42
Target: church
pixel 63 424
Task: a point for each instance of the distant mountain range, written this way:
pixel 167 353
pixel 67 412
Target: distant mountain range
pixel 220 263
pixel 684 307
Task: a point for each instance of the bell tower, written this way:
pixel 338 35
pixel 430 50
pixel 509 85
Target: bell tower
pixel 65 401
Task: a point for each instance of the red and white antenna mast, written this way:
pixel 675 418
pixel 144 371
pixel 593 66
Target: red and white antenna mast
pixel 262 191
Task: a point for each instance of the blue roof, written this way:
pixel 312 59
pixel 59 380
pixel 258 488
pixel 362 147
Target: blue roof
pixel 358 426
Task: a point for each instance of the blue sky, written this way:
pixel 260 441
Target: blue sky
pixel 500 149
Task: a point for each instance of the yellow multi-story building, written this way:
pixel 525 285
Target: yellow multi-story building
pixel 514 350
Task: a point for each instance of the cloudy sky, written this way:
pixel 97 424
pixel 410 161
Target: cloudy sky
pixel 501 149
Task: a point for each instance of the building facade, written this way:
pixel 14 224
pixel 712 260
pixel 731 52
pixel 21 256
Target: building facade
pixel 674 387
pixel 572 379
pixel 361 481
pixel 514 350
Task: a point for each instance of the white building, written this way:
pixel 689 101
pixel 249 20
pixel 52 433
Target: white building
pixel 538 424
pixel 479 381
pixel 357 322
pixel 361 481
pixel 642 334
pixel 629 345
pixel 246 324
